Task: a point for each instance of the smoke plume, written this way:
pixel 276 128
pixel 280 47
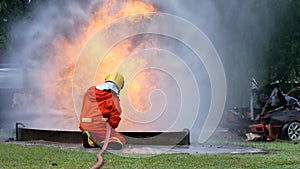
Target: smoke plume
pixel 239 30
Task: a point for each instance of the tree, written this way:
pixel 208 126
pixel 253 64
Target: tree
pixel 284 51
pixel 10 10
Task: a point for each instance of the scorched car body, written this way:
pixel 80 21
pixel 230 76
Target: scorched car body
pixel 274 115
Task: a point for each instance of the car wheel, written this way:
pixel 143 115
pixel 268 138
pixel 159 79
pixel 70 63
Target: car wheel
pixel 291 131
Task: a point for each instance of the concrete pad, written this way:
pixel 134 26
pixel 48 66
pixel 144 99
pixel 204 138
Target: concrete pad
pixel 213 146
pixel 195 149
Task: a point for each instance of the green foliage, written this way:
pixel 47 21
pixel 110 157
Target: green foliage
pixel 284 52
pixel 10 10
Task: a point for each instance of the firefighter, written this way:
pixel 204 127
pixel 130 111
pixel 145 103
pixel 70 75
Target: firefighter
pixel 101 105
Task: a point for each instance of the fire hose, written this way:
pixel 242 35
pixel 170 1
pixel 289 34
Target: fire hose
pixel 99 155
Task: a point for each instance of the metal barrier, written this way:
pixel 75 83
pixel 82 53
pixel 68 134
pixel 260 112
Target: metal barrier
pixel 139 138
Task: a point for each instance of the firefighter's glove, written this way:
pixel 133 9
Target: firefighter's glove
pixel 105 119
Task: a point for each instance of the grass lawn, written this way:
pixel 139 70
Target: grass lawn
pixel 284 155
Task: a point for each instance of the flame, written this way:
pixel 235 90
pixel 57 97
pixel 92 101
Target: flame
pixel 139 88
pixel 67 52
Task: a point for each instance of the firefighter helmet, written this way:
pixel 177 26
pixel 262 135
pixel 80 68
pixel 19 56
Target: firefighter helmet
pixel 116 78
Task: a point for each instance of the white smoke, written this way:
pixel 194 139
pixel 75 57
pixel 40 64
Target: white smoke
pixel 34 49
pixel 240 32
pixel 237 29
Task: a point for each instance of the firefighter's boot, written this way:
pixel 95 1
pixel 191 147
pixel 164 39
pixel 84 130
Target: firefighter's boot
pixel 87 142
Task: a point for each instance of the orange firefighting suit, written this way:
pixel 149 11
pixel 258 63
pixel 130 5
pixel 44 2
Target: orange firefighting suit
pixel 99 104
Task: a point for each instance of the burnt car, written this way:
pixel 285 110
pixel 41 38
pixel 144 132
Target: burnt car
pixel 271 115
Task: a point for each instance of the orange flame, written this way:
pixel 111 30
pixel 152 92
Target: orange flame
pixel 67 52
pixel 140 88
